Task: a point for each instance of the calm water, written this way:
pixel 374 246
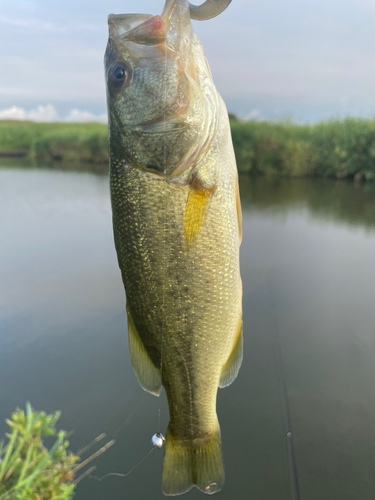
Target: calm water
pixel 309 286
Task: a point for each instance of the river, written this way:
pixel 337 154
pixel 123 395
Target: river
pixel 308 270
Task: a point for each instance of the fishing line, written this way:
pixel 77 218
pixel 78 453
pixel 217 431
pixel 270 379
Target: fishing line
pixel 292 463
pixel 164 235
pixel 157 442
pixel 119 474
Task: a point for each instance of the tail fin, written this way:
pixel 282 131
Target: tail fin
pixel 188 464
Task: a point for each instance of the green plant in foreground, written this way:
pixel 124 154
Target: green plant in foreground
pixel 28 470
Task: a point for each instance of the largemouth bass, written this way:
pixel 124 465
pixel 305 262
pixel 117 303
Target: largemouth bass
pixel 177 229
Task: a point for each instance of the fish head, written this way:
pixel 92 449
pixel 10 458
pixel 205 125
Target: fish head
pixel 160 95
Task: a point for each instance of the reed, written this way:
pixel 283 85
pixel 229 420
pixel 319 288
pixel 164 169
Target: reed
pixel 31 471
pixel 67 142
pixel 28 470
pixel 341 149
pixel 337 148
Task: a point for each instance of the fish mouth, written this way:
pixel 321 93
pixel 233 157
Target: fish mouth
pixel 153 121
pixel 120 24
pixel 159 126
pixel 170 120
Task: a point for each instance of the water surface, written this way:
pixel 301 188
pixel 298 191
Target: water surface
pixel 307 262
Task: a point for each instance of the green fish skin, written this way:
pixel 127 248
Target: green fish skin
pixel 177 229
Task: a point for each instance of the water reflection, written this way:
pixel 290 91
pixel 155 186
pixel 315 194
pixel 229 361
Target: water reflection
pixel 325 199
pixel 32 164
pixel 309 278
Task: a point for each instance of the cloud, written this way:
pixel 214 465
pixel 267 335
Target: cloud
pixel 254 115
pixel 43 114
pixel 13 113
pixel 40 114
pixel 85 116
pixel 32 23
pixel 48 113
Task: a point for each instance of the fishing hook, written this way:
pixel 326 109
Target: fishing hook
pixel 208 9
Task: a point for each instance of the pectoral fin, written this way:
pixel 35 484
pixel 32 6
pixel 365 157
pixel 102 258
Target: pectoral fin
pixel 232 366
pixel 195 210
pixel 146 372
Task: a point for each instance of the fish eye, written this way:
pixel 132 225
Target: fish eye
pixel 119 74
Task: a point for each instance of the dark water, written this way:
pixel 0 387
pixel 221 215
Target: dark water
pixel 309 286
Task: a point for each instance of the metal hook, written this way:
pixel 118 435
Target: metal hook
pixel 208 9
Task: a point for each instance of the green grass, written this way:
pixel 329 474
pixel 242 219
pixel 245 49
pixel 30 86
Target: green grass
pixel 337 149
pixel 28 470
pixel 68 142
pixel 31 471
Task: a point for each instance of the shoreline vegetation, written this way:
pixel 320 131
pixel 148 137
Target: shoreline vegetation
pixel 339 149
pixel 28 470
pixel 31 471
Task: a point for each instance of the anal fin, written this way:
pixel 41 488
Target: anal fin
pixel 232 366
pixel 146 372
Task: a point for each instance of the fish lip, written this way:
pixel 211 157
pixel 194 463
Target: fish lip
pixel 118 22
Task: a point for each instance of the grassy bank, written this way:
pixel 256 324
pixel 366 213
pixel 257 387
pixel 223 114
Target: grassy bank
pixel 68 142
pixel 337 148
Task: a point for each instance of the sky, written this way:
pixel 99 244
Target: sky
pixel 305 60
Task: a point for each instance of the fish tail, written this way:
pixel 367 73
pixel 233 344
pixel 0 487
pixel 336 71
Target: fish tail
pixel 196 463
